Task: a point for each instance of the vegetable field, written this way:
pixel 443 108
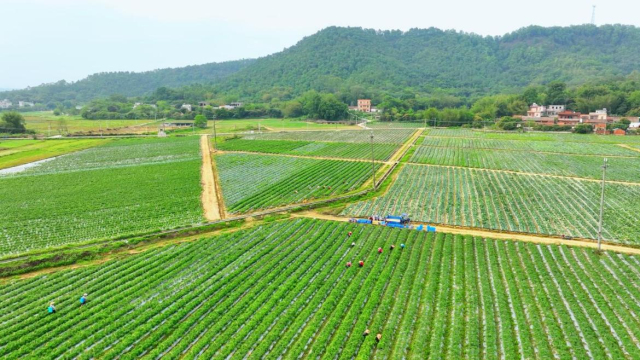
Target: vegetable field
pixel 512 202
pixel 122 188
pixel 535 136
pixel 309 148
pixel 283 291
pixel 620 168
pixel 580 148
pixel 18 152
pixel 252 182
pixel 349 136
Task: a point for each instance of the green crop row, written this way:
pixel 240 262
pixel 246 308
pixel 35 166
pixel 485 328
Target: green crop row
pixel 388 136
pixel 308 148
pixel 511 202
pixel 252 182
pixel 620 168
pixel 282 290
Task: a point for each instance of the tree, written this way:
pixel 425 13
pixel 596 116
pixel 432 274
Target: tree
pixel 507 123
pixel 583 129
pixel 200 121
pixel 13 123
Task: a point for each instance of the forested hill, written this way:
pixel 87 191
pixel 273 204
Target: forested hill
pixel 126 83
pixel 352 59
pixel 355 62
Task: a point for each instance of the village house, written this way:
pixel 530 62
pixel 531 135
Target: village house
pixel 601 129
pixel 231 106
pixel 596 117
pixel 25 104
pixel 186 107
pixel 364 105
pixel 541 111
pixel 568 117
pixel 5 104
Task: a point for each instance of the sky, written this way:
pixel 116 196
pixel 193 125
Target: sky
pixel 44 41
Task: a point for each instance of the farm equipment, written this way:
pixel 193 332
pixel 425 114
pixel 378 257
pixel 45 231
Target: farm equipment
pixel 401 220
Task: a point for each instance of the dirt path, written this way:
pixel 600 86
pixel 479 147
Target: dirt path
pixel 546 240
pixel 629 147
pixel 529 174
pixel 209 193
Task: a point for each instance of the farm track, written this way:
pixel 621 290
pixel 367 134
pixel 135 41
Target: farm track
pixel 209 192
pixel 528 174
pixel 628 147
pixel 545 240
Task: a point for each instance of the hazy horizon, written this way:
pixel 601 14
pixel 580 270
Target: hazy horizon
pixel 71 39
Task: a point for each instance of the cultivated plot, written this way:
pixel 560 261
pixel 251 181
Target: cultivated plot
pixel 122 188
pixel 535 136
pixel 619 169
pixel 251 182
pixel 18 152
pixel 309 148
pixel 580 148
pixel 283 291
pixel 349 136
pixel 512 202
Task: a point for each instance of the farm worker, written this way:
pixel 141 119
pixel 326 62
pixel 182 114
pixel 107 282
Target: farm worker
pixel 366 333
pixel 378 337
pixel 353 244
pixel 349 264
pixel 379 250
pixel 83 299
pixel 350 233
pixel 361 263
pixel 51 309
pixel 392 247
pixel 402 246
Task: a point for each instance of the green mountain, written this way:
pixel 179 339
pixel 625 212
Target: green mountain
pixel 426 60
pixel 126 83
pixel 355 62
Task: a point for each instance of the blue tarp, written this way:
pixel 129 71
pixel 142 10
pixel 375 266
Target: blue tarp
pixel 431 229
pixel 395 225
pixel 363 221
pixel 419 228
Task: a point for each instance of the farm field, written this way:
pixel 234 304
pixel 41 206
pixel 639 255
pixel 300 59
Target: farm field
pixel 18 152
pixel 241 125
pixel 310 148
pixel 252 182
pixel 282 291
pixel 394 124
pixel 45 123
pixel 565 147
pixel 512 202
pixel 356 136
pixel 620 168
pixel 123 187
pixel 535 136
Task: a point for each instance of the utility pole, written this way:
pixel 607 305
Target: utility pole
pixel 604 173
pixel 373 164
pixel 593 15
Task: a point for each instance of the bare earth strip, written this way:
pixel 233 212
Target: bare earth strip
pixel 629 147
pixel 209 193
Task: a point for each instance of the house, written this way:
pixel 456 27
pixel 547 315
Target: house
pixel 78 107
pixel 186 107
pixel 601 129
pixel 374 109
pixel 568 117
pixel 136 105
pixel 364 105
pixel 25 104
pixel 598 116
pixel 540 111
pixel 5 104
pixel 619 132
pixel 231 106
pixel 353 108
pixel 634 125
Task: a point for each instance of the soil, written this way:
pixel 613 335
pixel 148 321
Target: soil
pixel 209 192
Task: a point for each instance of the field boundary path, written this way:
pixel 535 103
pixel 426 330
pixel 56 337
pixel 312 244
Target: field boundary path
pixel 629 147
pixel 488 234
pixel 209 192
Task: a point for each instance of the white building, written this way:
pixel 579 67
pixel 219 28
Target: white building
pixel 634 125
pixel 25 104
pixel 187 107
pixel 5 104
pixel 538 111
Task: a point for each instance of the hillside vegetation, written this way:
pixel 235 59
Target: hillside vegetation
pixel 359 62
